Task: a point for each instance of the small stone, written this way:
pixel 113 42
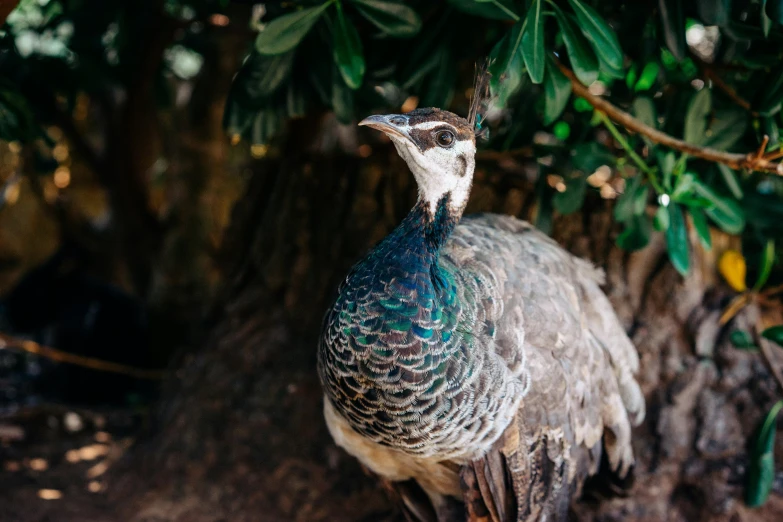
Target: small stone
pixel 38 464
pixel 73 422
pixel 11 432
pixel 50 494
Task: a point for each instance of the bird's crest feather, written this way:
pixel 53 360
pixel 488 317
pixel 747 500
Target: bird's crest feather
pixel 481 99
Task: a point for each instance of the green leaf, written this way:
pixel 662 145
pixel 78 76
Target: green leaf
pixel 683 187
pixel 236 120
pixel 417 71
pixel 667 162
pixel 633 202
pixel 727 215
pixel 561 130
pixel 761 473
pixel 661 220
pixel 320 78
pixel 766 21
pixel 632 76
pixel 770 127
pixel 677 240
pixel 557 89
pixel 648 76
pixel 701 226
pixel 730 178
pixel 533 42
pixel 774 334
pixel 696 117
pixel 342 98
pixel 506 65
pixel 583 61
pixel 727 127
pixel 770 97
pixel 265 125
pixel 582 105
pixel 440 85
pixel 673 22
pixel 260 77
pixel 285 32
pixel 741 339
pixel 767 262
pixel 347 51
pixel 774 9
pixel 643 109
pixel 725 212
pixel 17 121
pixel 694 202
pixel 600 34
pixel 486 9
pixel 295 102
pixel 589 156
pixel 607 70
pixel 574 196
pixel 714 12
pixel 636 234
pixel 393 18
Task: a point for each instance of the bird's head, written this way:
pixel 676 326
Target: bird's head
pixel 439 148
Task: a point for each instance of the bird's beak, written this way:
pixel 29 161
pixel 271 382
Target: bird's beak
pixel 389 124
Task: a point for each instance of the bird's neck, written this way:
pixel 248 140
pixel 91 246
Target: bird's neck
pixel 425 231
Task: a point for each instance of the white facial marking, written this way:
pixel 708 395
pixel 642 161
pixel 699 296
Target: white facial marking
pixel 439 170
pixel 427 125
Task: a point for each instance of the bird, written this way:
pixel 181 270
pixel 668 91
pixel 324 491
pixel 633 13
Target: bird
pixel 469 362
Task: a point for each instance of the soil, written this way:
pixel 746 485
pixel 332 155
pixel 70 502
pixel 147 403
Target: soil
pixel 240 436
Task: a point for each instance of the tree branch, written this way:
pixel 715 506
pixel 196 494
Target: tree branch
pixel 9 342
pixel 709 74
pixel 751 161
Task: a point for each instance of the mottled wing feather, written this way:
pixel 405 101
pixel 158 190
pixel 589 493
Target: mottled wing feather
pixel 557 327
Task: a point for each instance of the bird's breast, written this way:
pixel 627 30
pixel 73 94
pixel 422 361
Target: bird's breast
pixel 399 362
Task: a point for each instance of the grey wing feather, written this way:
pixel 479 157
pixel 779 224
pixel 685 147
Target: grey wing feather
pixel 554 328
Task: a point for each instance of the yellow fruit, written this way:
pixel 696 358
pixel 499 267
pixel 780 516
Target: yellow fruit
pixel 733 269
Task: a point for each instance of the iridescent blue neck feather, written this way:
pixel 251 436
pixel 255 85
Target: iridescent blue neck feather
pixel 421 231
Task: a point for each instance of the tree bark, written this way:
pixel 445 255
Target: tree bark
pixel 6 6
pixel 241 434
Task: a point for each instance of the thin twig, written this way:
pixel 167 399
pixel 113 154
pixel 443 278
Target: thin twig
pixel 763 147
pixel 643 166
pixel 506 10
pixel 772 290
pixel 736 304
pixel 6 341
pixel 709 74
pixel 733 160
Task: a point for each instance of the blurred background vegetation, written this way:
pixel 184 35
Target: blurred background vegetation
pixel 130 130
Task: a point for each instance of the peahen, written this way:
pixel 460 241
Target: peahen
pixel 471 363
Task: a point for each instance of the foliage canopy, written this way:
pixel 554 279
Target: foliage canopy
pixel 707 72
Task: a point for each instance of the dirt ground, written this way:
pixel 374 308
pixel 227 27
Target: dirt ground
pixel 240 437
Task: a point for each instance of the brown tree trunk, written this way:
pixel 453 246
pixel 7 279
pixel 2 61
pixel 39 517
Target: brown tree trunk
pixel 241 436
pixel 6 6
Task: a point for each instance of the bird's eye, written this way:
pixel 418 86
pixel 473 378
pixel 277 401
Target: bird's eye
pixel 445 138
